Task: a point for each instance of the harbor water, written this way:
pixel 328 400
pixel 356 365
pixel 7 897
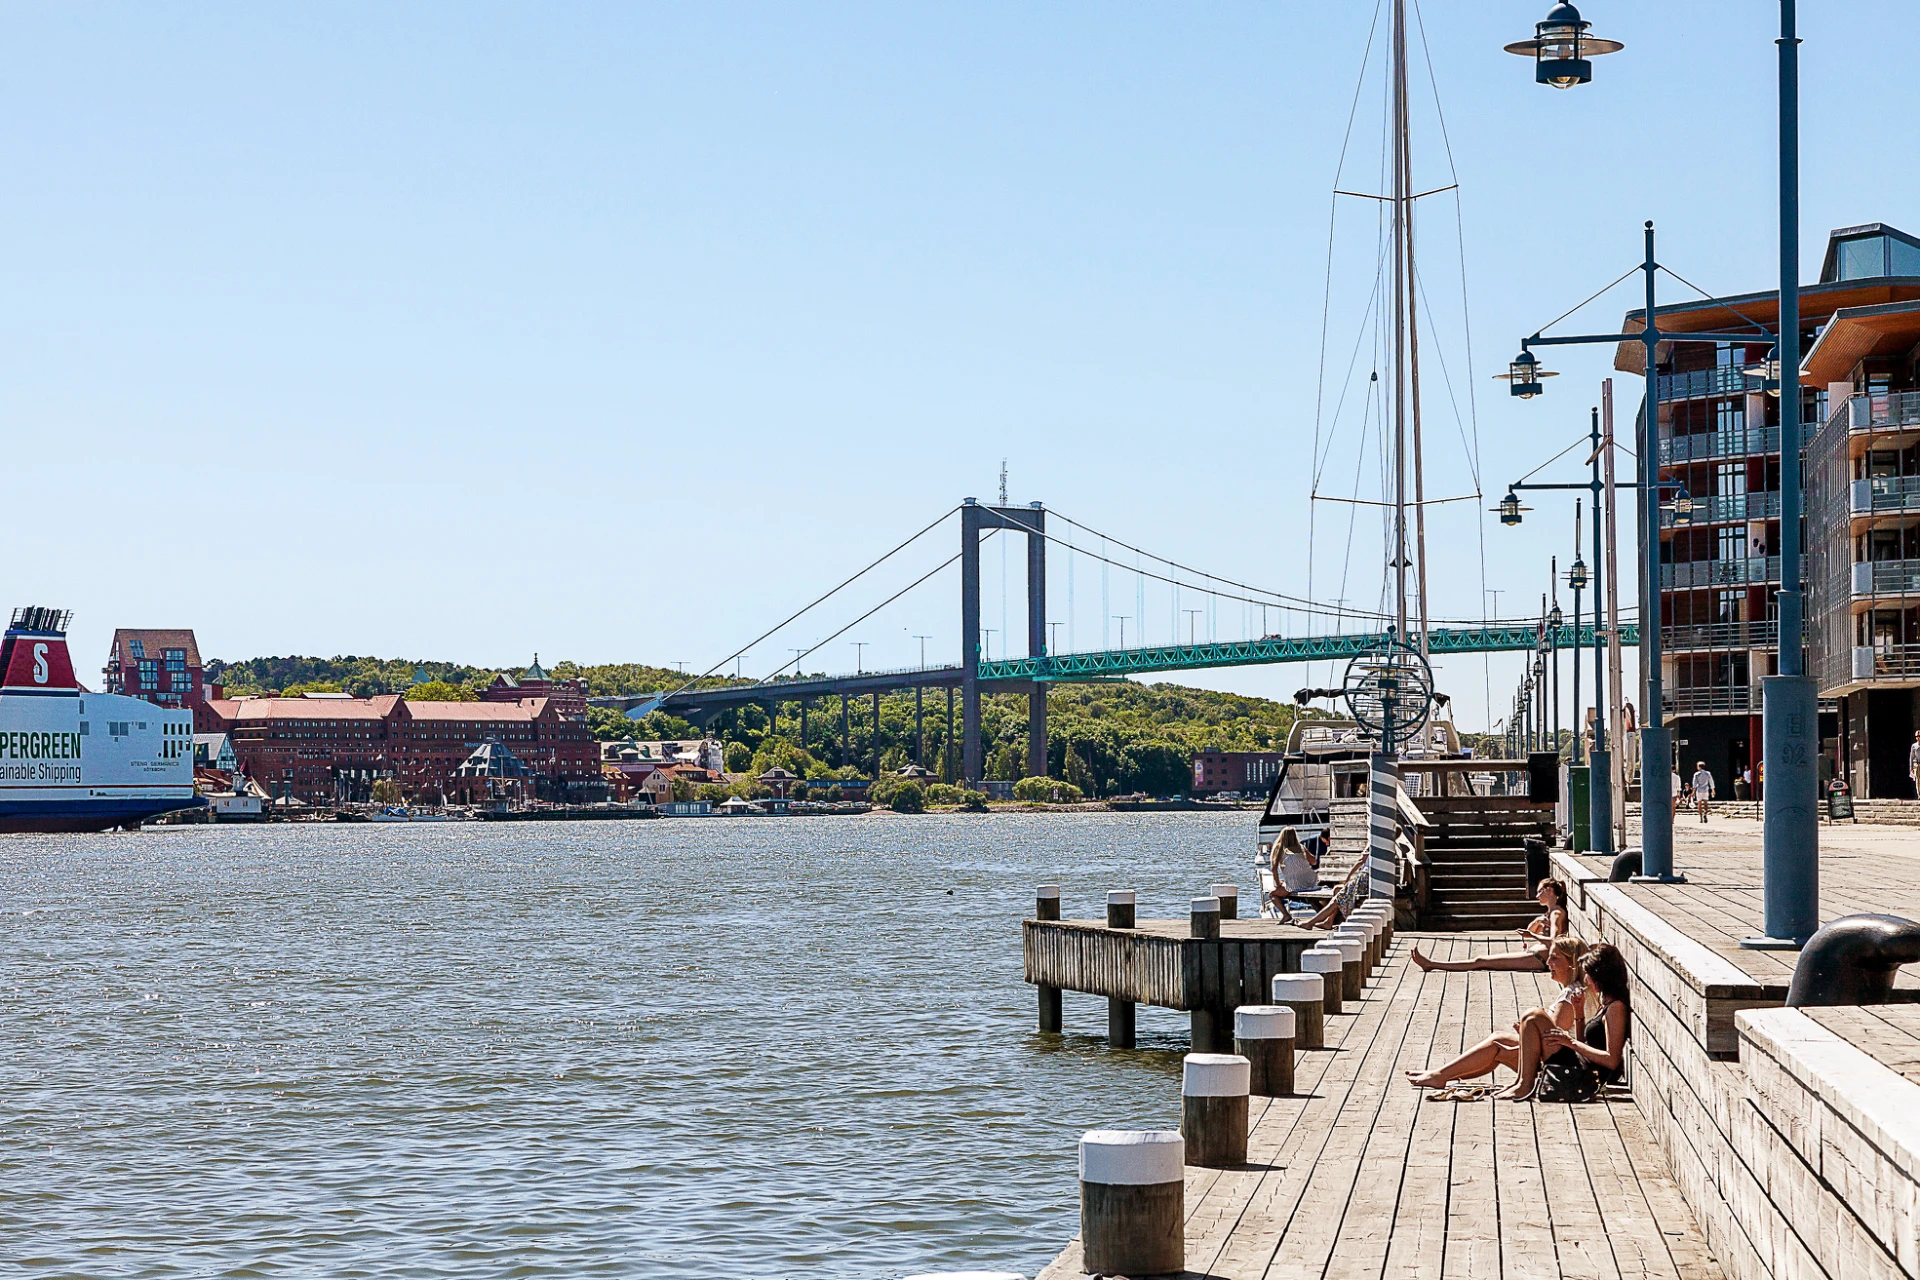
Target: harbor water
pixel 715 1047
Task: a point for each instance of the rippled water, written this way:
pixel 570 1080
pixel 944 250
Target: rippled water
pixel 741 1048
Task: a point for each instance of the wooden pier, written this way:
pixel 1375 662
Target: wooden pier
pixel 1356 1175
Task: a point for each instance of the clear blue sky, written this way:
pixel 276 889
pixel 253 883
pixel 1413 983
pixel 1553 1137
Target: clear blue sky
pixel 617 331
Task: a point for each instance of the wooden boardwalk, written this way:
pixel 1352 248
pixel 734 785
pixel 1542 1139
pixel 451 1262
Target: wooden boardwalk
pixel 1356 1175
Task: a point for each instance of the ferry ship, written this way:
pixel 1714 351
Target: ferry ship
pixel 73 760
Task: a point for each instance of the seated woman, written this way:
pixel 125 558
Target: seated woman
pixel 1567 1013
pixel 1593 1058
pixel 1294 870
pixel 1532 958
pixel 1351 893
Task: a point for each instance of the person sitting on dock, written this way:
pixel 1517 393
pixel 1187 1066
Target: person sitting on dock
pixel 1558 1065
pixel 1532 958
pixel 1351 893
pixel 1294 871
pixel 1567 1013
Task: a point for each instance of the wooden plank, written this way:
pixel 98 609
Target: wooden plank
pixel 1526 1223
pixel 1473 1207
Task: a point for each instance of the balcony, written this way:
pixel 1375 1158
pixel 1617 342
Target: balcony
pixel 1722 635
pixel 1717 573
pixel 1881 662
pixel 1722 380
pixel 1728 444
pixel 1887 411
pixel 1711 700
pixel 1720 508
pixel 1886 578
pixel 1885 493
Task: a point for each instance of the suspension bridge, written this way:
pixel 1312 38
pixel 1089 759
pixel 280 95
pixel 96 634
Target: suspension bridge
pixel 976 674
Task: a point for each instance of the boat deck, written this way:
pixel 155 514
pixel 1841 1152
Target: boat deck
pixel 1357 1175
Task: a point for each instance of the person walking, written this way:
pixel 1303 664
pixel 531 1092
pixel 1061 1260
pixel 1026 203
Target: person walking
pixel 1913 763
pixel 1702 787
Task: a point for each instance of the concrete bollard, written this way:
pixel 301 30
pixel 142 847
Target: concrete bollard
pixel 1263 1035
pixel 1046 906
pixel 1213 1109
pixel 1229 895
pixel 1133 1212
pixel 1120 909
pixel 1305 994
pixel 1362 935
pixel 1329 966
pixel 1353 971
pixel 1204 919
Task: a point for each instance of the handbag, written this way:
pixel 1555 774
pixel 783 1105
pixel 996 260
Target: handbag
pixel 1568 1082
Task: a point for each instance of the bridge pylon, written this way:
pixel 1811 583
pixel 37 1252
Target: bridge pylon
pixel 1030 520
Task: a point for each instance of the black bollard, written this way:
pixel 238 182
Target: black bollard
pixel 1626 865
pixel 1853 960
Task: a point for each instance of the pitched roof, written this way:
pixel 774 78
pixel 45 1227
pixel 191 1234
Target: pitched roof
pixel 535 672
pixel 520 711
pixel 154 641
pixel 242 710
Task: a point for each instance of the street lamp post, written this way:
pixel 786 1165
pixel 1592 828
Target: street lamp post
pixel 1790 855
pixel 1599 760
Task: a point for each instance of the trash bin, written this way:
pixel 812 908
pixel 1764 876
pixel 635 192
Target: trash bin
pixel 1580 807
pixel 1543 777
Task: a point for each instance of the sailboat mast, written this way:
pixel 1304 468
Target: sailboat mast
pixel 1401 262
pixel 1404 134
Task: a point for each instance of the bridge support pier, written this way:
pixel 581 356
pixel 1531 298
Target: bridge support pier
pixel 845 738
pixel 876 735
pixel 919 731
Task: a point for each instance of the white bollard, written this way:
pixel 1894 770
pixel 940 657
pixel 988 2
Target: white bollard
pixel 1120 909
pixel 1213 1109
pixel 1229 895
pixel 1330 966
pixel 1133 1216
pixel 1367 930
pixel 1203 919
pixel 1305 994
pixel 1354 953
pixel 1263 1035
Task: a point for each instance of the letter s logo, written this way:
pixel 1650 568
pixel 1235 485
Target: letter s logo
pixel 40 664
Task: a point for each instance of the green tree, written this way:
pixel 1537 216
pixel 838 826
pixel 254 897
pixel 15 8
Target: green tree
pixel 386 791
pixel 973 801
pixel 908 798
pixel 311 686
pixel 1008 763
pixel 441 691
pixel 1043 790
pixel 738 757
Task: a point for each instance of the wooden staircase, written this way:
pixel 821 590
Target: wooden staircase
pixel 1477 861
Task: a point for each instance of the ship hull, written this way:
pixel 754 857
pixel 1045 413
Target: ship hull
pixel 71 816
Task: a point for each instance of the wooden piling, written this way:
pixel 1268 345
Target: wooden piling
pixel 1213 1109
pixel 1330 965
pixel 1046 906
pixel 1263 1034
pixel 1229 895
pixel 1305 994
pixel 1352 954
pixel 1120 1013
pixel 1120 909
pixel 1204 916
pixel 1133 1212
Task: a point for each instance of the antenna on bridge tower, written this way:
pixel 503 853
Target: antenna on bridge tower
pixel 1003 482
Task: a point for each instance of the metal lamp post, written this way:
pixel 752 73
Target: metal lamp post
pixel 1600 760
pixel 1789 701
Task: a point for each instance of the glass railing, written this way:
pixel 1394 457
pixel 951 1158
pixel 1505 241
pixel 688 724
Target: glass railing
pixel 1710 573
pixel 1886 578
pixel 1880 412
pixel 1722 380
pixel 1886 493
pixel 1711 698
pixel 1871 662
pixel 1722 635
pixel 1721 507
pixel 1742 443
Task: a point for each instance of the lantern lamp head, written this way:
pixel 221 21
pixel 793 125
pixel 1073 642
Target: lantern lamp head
pixel 1768 371
pixel 1555 618
pixel 1510 508
pixel 1577 574
pixel 1523 375
pixel 1561 49
pixel 1682 509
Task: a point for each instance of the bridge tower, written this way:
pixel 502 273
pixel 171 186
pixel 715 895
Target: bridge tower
pixel 1030 520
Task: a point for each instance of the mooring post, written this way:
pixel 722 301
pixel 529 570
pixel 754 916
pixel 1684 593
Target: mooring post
pixel 1330 965
pixel 1213 1109
pixel 1133 1202
pixel 1120 1012
pixel 1046 906
pixel 1204 1022
pixel 1263 1034
pixel 1352 954
pixel 1229 895
pixel 1204 919
pixel 1305 994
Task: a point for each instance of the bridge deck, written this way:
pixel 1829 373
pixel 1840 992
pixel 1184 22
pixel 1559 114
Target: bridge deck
pixel 1357 1176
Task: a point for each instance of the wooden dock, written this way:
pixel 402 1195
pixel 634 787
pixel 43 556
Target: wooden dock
pixel 1356 1175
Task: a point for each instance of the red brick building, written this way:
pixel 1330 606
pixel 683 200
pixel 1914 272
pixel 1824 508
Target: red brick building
pixel 161 665
pixel 327 748
pixel 569 696
pixel 1243 771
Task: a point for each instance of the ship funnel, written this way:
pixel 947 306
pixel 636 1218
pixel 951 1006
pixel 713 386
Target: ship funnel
pixel 33 653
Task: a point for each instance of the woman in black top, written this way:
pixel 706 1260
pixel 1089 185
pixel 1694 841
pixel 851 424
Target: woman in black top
pixel 1600 1050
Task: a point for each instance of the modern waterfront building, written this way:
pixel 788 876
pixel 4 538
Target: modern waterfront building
pixel 1719 438
pixel 161 665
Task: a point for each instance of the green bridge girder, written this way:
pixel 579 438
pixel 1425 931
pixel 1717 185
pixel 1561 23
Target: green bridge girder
pixel 1247 653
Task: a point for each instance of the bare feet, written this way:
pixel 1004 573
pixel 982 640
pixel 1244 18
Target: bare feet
pixel 1425 1079
pixel 1424 963
pixel 1514 1093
